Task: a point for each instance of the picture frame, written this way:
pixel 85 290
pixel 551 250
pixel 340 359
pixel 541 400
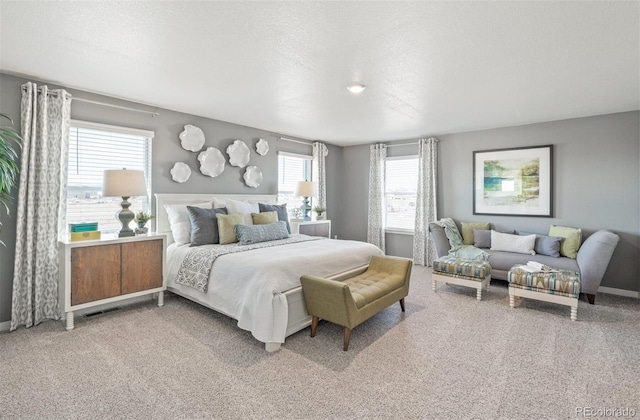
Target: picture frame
pixel 513 182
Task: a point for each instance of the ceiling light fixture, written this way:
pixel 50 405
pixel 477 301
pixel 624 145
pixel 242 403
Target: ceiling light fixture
pixel 356 88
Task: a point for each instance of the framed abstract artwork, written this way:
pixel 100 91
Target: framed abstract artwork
pixel 513 182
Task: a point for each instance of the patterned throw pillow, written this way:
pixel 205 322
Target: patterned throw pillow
pixel 281 209
pixel 261 233
pixel 204 225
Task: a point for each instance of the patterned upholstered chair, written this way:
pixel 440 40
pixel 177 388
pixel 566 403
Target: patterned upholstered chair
pixel 356 299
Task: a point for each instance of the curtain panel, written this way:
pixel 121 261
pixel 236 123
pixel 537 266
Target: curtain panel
pixel 320 152
pixel 42 198
pixel 377 213
pixel 426 205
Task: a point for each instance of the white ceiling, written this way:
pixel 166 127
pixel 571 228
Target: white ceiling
pixel 430 67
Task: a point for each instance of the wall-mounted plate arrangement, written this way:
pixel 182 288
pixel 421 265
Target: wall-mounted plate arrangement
pixel 262 147
pixel 253 176
pixel 180 172
pixel 238 154
pixel 211 162
pixel 192 138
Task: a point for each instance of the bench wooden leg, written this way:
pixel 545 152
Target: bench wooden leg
pixel 314 325
pixel 402 304
pixel 347 337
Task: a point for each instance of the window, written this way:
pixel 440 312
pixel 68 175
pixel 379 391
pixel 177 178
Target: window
pixel 92 149
pixel 401 183
pixel 291 169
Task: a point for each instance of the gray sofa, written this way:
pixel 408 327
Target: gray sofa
pixel 592 261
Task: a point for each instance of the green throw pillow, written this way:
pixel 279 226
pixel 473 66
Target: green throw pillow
pixel 226 227
pixel 264 218
pixel 572 238
pixel 467 231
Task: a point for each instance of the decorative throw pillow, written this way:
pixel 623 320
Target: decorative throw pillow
pixel 512 243
pixel 482 238
pixel 281 209
pixel 571 242
pixel 237 206
pixel 546 245
pixel 204 225
pixel 468 228
pixel 179 220
pixel 261 233
pixel 264 218
pixel 226 227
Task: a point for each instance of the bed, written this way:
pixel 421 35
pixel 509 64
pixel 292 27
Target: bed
pixel 260 288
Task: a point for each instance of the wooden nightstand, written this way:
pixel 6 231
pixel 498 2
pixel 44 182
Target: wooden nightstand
pixel 312 227
pixel 110 269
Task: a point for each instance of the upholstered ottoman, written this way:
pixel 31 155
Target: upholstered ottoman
pixel 469 273
pixel 557 286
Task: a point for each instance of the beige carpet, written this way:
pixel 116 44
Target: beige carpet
pixel 449 356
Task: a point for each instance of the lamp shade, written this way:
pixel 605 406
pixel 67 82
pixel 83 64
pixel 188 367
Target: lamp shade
pixel 307 189
pixel 123 183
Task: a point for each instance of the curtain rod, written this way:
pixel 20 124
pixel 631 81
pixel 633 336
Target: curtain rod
pixel 89 101
pixel 295 141
pixel 402 144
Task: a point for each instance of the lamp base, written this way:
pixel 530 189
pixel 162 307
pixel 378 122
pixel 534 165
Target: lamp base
pixel 125 216
pixel 305 207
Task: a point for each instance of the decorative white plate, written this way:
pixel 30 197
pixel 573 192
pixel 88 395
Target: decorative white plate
pixel 192 138
pixel 253 176
pixel 238 154
pixel 262 147
pixel 180 172
pixel 211 162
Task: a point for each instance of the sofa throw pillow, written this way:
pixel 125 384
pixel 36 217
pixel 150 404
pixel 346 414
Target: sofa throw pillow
pixel 281 209
pixel 179 220
pixel 512 243
pixel 467 231
pixel 482 238
pixel 264 218
pixel 204 225
pixel 261 233
pixel 546 245
pixel 572 238
pixel 226 227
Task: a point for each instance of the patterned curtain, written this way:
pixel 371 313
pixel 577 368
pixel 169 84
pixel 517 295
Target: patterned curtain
pixel 375 231
pixel 42 198
pixel 320 152
pixel 426 206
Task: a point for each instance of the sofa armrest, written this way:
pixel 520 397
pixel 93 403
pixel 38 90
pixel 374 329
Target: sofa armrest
pixel 440 239
pixel 593 258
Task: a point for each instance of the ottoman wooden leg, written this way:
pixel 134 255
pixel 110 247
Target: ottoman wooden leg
pixel 433 285
pixel 479 293
pixel 512 301
pixel 574 313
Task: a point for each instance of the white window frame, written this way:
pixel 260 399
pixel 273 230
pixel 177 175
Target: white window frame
pixel 308 176
pixel 397 230
pixel 146 204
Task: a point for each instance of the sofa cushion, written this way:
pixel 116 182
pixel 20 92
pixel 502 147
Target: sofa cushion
pixel 468 228
pixel 571 242
pixel 503 261
pixel 512 243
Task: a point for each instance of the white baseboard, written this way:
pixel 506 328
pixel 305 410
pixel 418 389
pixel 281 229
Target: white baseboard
pixel 619 292
pixel 4 326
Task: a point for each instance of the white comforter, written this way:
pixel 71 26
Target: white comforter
pixel 248 286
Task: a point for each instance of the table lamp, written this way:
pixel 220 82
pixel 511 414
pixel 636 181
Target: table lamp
pixel 306 189
pixel 124 183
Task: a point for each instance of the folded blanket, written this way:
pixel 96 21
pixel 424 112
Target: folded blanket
pixel 459 250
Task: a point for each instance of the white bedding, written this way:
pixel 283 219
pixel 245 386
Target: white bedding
pixel 248 286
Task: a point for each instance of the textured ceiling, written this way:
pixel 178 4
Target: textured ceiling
pixel 430 67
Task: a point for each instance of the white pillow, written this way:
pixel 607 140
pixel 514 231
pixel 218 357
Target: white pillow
pixel 236 206
pixel 180 222
pixel 513 243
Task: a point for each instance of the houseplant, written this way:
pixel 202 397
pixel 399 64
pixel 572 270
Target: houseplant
pixel 9 168
pixel 141 218
pixel 319 212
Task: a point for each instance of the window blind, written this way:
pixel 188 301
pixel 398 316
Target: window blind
pixel 401 183
pixel 291 169
pixel 92 149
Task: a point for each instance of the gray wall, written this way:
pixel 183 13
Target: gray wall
pixel 166 151
pixel 597 183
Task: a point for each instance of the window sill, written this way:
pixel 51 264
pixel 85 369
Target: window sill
pixel 400 231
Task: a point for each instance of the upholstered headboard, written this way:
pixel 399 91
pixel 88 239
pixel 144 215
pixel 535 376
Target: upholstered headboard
pixel 162 220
